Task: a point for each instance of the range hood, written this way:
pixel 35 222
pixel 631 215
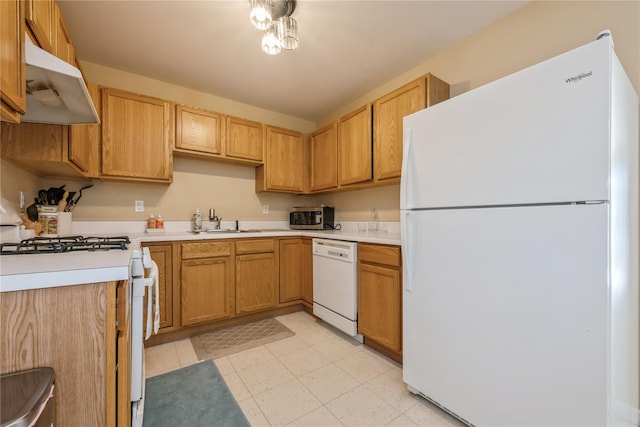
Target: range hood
pixel 56 92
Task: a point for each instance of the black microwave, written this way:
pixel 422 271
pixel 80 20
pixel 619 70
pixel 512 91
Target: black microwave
pixel 318 218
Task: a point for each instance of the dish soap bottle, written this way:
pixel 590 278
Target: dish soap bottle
pixel 159 222
pixel 197 221
pixel 373 222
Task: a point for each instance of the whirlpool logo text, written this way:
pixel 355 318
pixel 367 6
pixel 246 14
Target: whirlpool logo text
pixel 576 79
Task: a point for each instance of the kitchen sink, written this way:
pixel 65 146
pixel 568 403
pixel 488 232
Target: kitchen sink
pixel 229 230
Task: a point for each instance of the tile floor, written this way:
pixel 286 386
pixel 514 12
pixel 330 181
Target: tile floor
pixel 318 377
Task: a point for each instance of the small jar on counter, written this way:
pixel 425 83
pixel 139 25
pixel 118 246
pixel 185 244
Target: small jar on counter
pixel 151 222
pixel 159 221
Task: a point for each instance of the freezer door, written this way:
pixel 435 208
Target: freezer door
pixel 540 135
pixel 505 313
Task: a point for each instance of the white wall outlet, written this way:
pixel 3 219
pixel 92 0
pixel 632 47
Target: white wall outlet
pixel 139 206
pixel 21 199
pixel 265 209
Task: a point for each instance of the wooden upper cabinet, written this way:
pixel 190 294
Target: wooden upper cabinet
pixel 84 140
pixel 63 48
pixel 13 97
pixel 43 149
pixel 388 114
pixel 324 158
pixel 284 162
pixel 355 154
pixel 40 20
pixel 198 130
pixel 137 137
pixel 243 139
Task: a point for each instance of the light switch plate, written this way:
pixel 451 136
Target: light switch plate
pixel 139 206
pixel 265 209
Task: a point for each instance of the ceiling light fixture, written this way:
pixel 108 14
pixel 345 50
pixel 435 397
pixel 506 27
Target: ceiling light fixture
pixel 274 18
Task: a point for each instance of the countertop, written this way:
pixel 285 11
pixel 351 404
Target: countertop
pixel 23 272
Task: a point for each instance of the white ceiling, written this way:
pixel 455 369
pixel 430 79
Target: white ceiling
pixel 347 48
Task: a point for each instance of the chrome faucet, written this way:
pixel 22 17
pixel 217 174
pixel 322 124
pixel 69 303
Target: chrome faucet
pixel 214 218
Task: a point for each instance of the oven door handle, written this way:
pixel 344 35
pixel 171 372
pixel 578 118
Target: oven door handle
pixel 153 301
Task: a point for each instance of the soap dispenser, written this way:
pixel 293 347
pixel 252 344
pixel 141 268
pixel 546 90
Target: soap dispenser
pixel 197 221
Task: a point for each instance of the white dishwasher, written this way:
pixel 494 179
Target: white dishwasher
pixel 335 284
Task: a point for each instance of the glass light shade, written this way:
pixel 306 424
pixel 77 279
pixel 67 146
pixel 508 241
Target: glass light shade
pixel 260 14
pixel 271 41
pixel 288 32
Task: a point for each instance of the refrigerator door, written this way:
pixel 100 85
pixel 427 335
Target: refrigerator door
pixel 505 313
pixel 540 135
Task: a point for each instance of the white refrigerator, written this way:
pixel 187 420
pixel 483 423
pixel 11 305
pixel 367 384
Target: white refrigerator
pixel 519 215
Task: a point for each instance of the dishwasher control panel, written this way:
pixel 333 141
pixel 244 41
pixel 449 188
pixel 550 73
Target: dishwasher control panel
pixel 337 249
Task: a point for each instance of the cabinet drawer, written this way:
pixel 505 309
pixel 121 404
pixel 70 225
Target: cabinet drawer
pixel 251 246
pixel 205 249
pixel 380 254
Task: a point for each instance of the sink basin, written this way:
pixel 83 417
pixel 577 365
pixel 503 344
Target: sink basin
pixel 228 230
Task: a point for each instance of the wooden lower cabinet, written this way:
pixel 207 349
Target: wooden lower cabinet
pixel 256 275
pixel 296 278
pixel 206 282
pixel 307 277
pixel 163 257
pixel 380 295
pixel 73 330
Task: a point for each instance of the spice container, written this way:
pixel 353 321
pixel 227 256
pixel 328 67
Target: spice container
pixel 48 219
pixel 159 222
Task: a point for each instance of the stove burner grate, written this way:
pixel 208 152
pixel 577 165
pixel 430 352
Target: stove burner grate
pixel 39 245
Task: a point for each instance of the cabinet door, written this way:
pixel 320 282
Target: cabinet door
pixel 244 139
pixel 388 114
pixel 40 20
pixel 198 130
pixel 291 269
pixel 84 140
pixel 206 289
pixel 379 305
pixel 284 160
pixel 355 147
pixel 63 48
pixel 137 137
pixel 42 149
pixel 255 282
pixel 12 71
pixel 307 271
pixel 161 254
pixel 324 158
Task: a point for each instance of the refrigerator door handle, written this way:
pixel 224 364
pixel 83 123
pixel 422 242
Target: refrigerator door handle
pixel 407 250
pixel 406 174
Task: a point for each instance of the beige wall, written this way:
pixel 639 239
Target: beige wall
pixel 532 34
pixel 536 32
pixel 228 188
